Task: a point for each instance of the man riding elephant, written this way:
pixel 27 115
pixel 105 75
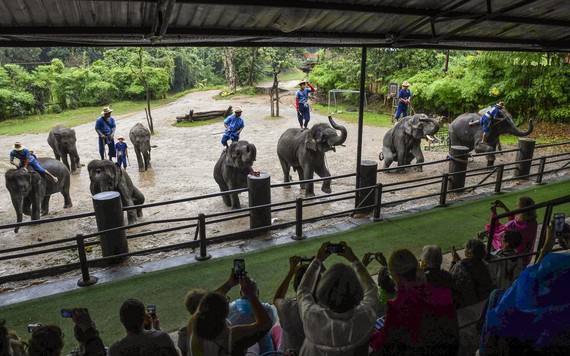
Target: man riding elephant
pixel 233 125
pixel 493 114
pixel 27 158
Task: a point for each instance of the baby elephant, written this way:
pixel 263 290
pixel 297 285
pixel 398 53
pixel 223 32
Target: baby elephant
pixel 232 168
pixel 140 139
pixel 63 142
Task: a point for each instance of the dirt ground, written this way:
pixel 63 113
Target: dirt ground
pixel 182 165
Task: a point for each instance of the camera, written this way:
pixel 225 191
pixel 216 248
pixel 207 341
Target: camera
pixel 335 248
pixel 151 309
pixel 66 313
pixel 32 327
pixel 239 267
pixel 559 221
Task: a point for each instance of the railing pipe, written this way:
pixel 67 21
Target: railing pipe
pixel 86 279
pixel 203 256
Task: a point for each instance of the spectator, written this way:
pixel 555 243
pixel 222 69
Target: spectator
pixel 386 286
pixel 10 343
pixel 533 315
pixel 523 222
pixel 86 334
pixel 342 320
pixel 241 313
pixel 191 302
pixel 288 308
pixel 471 275
pixel 421 320
pixel 431 264
pixel 211 335
pixel 504 272
pixel 47 340
pixel 139 341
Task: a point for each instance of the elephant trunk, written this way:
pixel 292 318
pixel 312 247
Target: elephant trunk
pixel 432 128
pixel 513 130
pixel 18 203
pixel 342 130
pixel 74 156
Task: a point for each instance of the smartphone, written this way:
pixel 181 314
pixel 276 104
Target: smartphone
pixel 305 261
pixel 239 267
pixel 66 313
pixel 559 221
pixel 335 248
pixel 32 327
pixel 372 255
pixel 151 309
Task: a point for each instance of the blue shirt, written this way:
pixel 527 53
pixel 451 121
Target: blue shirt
pixel 404 94
pixel 121 148
pixel 22 155
pixel 494 112
pixel 105 127
pixel 234 123
pixel 302 96
pixel 241 313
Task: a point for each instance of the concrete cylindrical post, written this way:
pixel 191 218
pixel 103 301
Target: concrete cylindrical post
pixel 109 214
pixel 457 163
pixel 525 153
pixel 368 174
pixel 259 194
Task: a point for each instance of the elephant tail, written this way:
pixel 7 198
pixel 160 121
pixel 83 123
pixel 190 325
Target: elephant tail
pixel 381 156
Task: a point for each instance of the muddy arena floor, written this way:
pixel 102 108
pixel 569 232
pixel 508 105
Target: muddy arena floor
pixel 182 165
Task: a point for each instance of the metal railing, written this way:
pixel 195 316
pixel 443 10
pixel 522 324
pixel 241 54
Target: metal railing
pixel 199 223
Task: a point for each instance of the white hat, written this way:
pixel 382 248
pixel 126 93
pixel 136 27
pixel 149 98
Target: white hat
pixel 405 84
pixel 18 146
pixel 106 110
pixel 120 138
pixel 237 109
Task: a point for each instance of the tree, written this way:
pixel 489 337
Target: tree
pixel 228 55
pixel 278 58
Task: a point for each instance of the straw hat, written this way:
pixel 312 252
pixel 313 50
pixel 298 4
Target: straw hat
pixel 120 138
pixel 302 82
pixel 405 84
pixel 237 109
pixel 18 146
pixel 106 110
pixel 501 104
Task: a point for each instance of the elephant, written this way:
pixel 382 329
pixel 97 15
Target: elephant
pixel 106 176
pixel 402 143
pixel 140 138
pixel 463 134
pixel 305 149
pixel 29 189
pixel 232 168
pixel 63 142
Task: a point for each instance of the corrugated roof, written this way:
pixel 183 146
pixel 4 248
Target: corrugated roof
pixel 478 24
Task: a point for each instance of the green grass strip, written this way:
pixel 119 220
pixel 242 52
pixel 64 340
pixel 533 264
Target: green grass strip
pixel 446 226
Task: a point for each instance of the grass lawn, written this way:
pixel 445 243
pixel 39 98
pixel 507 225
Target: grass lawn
pixel 447 226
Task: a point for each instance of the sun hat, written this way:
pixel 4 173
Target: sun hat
pixel 106 110
pixel 405 84
pixel 501 104
pixel 237 109
pixel 18 146
pixel 120 138
pixel 302 82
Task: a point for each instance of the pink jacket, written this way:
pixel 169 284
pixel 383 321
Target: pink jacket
pixel 526 228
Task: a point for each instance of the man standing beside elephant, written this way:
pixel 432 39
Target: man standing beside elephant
pixel 302 103
pixel 105 127
pixel 404 98
pixel 233 124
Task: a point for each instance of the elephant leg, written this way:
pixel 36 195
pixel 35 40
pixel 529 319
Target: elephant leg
pixel 66 197
pixel 26 206
pixel 36 207
pixel 286 171
pixel 234 198
pixel 309 187
pixel 226 198
pixel 138 199
pixel 417 153
pixel 65 162
pixel 480 148
pixel 301 174
pixel 323 172
pixel 147 160
pixel 45 205
pixel 131 214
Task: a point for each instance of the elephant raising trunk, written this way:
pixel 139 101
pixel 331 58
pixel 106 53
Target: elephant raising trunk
pixel 304 151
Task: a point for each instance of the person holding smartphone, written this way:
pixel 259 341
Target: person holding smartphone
pixel 343 319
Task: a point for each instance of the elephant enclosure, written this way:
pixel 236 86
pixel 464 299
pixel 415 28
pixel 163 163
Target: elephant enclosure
pixel 182 167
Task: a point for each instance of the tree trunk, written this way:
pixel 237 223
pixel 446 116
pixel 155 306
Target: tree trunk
pixel 228 55
pixel 250 78
pixel 147 92
pixel 275 93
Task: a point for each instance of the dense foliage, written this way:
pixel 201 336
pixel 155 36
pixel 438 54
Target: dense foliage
pixel 36 80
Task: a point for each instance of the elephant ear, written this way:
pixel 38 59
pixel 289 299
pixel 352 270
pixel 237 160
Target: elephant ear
pixel 414 127
pixel 232 156
pixel 311 143
pixel 118 176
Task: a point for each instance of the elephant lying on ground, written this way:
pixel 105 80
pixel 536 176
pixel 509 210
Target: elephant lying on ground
pixel 106 176
pixel 63 142
pixel 232 168
pixel 140 139
pixel 402 143
pixel 304 150
pixel 463 134
pixel 30 191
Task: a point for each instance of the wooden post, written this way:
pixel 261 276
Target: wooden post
pixel 109 214
pixel 367 179
pixel 299 220
pixel 259 194
pixel 526 151
pixel 457 163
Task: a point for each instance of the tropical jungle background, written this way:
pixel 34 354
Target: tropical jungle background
pixel 36 81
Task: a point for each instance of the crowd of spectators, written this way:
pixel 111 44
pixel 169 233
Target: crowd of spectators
pixel 339 309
